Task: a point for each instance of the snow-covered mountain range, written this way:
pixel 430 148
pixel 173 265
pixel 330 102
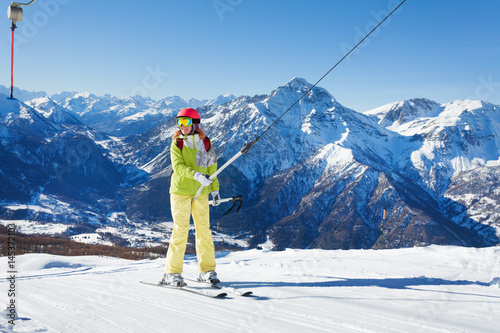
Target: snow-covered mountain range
pixel 408 173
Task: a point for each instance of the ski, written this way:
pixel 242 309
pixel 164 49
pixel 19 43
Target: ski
pixel 188 289
pixel 224 288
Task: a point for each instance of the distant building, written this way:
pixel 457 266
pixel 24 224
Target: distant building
pixel 88 238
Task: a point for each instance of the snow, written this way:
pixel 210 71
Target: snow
pixel 8 106
pixel 34 227
pixel 267 245
pixel 141 235
pixel 43 204
pixel 138 235
pixel 228 239
pixel 493 162
pixel 337 157
pixel 427 289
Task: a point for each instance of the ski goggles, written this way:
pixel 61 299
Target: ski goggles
pixel 184 121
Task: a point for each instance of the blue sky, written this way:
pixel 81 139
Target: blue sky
pixel 441 50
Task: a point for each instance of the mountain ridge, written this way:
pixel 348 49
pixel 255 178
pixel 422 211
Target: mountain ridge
pixel 324 175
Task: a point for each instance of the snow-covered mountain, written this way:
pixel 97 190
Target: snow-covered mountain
pixel 53 111
pixel 458 158
pixel 405 174
pixel 45 160
pixel 326 176
pixel 128 115
pixel 457 137
pixel 118 116
pixel 21 94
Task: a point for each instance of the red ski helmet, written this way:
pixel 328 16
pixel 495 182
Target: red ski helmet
pixel 191 113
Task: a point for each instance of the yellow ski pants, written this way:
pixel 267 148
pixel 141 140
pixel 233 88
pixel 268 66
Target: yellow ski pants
pixel 182 208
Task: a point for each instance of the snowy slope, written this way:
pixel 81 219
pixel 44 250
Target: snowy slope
pixel 25 120
pixel 53 111
pixel 430 289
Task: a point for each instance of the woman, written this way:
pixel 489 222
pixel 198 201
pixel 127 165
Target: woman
pixel 193 161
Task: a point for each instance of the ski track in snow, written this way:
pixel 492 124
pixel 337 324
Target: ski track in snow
pixel 430 289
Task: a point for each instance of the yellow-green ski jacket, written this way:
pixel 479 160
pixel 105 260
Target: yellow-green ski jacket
pixel 193 157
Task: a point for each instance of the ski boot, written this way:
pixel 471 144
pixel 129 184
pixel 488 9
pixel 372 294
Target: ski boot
pixel 173 279
pixel 209 277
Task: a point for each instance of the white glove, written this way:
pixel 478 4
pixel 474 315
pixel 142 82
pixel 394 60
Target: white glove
pixel 215 198
pixel 203 179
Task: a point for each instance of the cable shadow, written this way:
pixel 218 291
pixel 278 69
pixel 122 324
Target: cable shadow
pixel 389 283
